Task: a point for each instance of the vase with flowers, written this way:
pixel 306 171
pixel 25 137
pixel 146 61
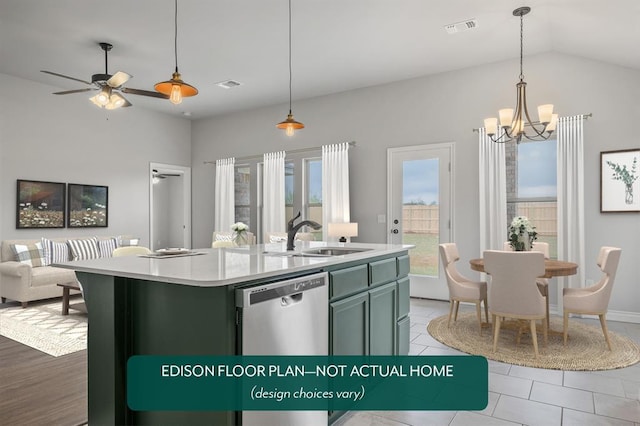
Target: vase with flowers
pixel 522 234
pixel 240 233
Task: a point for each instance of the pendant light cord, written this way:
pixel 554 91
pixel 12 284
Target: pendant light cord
pixel 290 73
pixel 521 43
pixel 175 34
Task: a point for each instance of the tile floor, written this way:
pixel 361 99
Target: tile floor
pixel 523 395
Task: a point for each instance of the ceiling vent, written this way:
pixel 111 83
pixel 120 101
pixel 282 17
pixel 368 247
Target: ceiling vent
pixel 461 26
pixel 228 84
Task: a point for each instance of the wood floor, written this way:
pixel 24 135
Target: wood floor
pixel 39 389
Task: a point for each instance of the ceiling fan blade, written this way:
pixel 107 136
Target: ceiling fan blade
pixel 144 93
pixel 65 76
pixel 118 79
pixel 68 92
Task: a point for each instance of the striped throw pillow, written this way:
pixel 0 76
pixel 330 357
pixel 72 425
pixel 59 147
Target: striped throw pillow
pixel 84 249
pixel 54 252
pixel 107 247
pixel 30 254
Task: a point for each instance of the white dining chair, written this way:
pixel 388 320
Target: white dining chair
pixel 543 283
pixel 593 300
pixel 513 292
pixel 462 289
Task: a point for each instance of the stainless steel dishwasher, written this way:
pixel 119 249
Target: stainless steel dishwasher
pixel 285 318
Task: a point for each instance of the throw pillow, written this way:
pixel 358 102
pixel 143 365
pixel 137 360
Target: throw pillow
pixel 31 254
pixel 54 252
pixel 277 239
pixel 84 249
pixel 224 237
pixel 107 247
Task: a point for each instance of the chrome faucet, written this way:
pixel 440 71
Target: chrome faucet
pixel 293 230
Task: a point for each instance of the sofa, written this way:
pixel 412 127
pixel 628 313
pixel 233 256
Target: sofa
pixel 29 275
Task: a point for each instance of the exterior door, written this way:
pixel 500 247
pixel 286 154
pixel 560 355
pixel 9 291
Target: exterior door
pixel 419 211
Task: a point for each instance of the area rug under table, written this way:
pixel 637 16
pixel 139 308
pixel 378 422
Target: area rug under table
pixel 586 348
pixel 43 327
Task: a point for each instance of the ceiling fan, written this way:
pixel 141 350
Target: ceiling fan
pixel 108 85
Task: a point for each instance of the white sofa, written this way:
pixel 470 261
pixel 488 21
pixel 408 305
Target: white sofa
pixel 24 283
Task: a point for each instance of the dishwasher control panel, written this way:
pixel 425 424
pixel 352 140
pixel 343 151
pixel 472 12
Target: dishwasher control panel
pixel 277 290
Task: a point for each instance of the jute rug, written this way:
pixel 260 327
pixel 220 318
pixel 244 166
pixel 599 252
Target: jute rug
pixel 43 327
pixel 586 348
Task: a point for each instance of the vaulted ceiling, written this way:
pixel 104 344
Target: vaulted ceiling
pixel 337 45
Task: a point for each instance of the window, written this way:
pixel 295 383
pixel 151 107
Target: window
pixel 242 184
pixel 289 188
pixel 313 193
pixel 532 187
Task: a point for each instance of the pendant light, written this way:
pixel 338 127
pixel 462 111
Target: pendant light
pixel 290 125
pixel 175 88
pixel 512 125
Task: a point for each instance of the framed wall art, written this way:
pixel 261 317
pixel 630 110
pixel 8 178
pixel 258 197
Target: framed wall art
pixel 40 204
pixel 88 206
pixel 619 183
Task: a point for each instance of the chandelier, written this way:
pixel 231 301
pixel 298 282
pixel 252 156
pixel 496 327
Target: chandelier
pixel 518 125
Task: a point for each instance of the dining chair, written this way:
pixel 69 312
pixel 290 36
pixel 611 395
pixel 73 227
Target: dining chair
pixel 221 243
pixel 543 283
pixel 228 236
pixel 130 251
pixel 279 237
pixel 593 300
pixel 513 292
pixel 462 289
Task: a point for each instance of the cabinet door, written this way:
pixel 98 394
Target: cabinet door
pixel 382 319
pixel 350 326
pixel 403 336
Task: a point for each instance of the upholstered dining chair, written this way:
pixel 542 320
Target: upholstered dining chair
pixel 543 283
pixel 513 292
pixel 462 289
pixel 228 236
pixel 593 300
pixel 130 251
pixel 278 237
pixel 221 243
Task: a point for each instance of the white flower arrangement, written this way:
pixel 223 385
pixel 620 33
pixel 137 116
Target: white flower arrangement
pixel 522 234
pixel 239 233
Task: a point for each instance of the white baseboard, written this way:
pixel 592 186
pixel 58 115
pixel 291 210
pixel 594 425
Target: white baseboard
pixel 622 316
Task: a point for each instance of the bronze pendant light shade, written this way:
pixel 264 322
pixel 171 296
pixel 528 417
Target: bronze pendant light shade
pixel 290 125
pixel 175 88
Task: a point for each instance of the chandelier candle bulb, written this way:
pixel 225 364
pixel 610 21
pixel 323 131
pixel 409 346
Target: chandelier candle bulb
pixel 551 127
pixel 491 124
pixel 506 117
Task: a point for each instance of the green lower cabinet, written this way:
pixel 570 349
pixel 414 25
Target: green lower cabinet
pixel 382 319
pixel 350 325
pixel 403 327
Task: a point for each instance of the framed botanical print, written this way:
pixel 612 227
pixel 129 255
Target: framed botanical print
pixel 40 204
pixel 88 206
pixel 619 183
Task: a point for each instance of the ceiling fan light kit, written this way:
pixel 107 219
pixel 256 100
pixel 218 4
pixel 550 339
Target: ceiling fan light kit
pixel 512 124
pixel 176 89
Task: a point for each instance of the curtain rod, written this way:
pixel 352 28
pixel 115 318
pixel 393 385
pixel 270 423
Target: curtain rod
pixel 293 151
pixel 584 116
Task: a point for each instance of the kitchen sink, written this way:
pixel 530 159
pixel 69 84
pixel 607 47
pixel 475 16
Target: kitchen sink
pixel 332 251
pixel 317 252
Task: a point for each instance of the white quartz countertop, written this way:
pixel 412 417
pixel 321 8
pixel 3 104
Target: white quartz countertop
pixel 224 266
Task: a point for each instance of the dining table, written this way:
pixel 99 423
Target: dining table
pixel 552 267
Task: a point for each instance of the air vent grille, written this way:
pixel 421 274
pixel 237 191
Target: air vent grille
pixel 461 26
pixel 228 84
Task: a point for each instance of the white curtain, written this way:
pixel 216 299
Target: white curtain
pixel 571 195
pixel 335 186
pixel 224 208
pixel 492 193
pixel 273 214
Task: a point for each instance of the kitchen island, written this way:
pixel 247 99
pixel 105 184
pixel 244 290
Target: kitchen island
pixel 186 305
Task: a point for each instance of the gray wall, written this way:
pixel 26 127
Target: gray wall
pixel 67 139
pixel 444 108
